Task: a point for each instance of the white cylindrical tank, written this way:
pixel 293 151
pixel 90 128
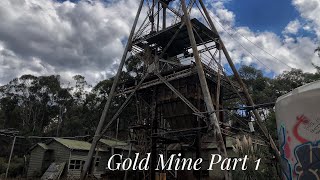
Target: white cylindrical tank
pixel 298 123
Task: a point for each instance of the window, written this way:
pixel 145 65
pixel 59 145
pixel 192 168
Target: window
pixel 97 161
pixel 76 164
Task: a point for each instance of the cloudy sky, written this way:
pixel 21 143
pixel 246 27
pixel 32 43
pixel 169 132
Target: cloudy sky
pixel 43 37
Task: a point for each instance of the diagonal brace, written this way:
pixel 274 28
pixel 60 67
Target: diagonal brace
pixel 184 99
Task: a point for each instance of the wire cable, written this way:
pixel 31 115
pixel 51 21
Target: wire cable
pixel 237 32
pixel 241 44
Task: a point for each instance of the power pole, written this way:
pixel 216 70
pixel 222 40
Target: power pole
pixel 11 152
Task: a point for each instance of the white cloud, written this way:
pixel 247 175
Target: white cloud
pixel 310 11
pixel 293 27
pixel 44 37
pixel 267 50
pixel 49 37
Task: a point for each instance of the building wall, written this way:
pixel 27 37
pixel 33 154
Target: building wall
pixel 76 155
pixel 60 152
pixel 35 162
pixel 82 156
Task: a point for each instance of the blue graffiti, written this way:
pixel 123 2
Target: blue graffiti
pixel 308 161
pixel 285 164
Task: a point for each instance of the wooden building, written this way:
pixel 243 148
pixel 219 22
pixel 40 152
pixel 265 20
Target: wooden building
pixel 71 154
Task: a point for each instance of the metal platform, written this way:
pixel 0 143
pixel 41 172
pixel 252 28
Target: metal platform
pixel 159 40
pixel 186 71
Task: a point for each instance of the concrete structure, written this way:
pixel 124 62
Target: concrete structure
pixel 298 122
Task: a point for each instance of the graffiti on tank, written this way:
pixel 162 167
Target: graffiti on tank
pixel 308 161
pixel 305 157
pixel 300 120
pixel 285 153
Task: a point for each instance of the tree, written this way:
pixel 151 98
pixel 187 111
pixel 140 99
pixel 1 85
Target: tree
pixel 81 87
pixel 289 80
pixel 258 85
pixel 30 103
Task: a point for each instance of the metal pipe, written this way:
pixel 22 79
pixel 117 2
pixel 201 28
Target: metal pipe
pixel 152 16
pixel 112 91
pixel 129 155
pixel 158 16
pixel 218 86
pixel 164 17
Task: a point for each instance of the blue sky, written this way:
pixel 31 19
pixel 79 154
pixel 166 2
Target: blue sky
pixel 263 15
pixel 286 29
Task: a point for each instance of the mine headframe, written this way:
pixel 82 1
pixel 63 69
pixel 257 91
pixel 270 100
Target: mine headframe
pixel 172 90
pixel 170 104
pixel 183 85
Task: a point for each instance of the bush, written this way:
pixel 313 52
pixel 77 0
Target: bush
pixel 16 166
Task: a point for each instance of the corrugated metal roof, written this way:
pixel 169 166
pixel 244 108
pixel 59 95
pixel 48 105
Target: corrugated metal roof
pixel 75 144
pixel 116 144
pixel 54 171
pixel 44 146
pixel 174 147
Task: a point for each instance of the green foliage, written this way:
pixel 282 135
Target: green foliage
pixel 264 89
pixel 271 124
pixel 245 147
pixel 16 166
pixel 41 105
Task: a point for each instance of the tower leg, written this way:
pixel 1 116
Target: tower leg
pixel 245 90
pixel 214 123
pixel 111 94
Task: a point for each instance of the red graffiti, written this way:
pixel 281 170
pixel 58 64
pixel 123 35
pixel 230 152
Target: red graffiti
pixel 300 120
pixel 287 150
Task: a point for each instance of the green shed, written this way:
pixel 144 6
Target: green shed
pixel 71 152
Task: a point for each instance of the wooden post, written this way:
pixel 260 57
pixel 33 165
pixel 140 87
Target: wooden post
pixel 218 86
pixel 111 94
pixel 164 16
pixel 11 152
pixel 214 123
pixel 129 155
